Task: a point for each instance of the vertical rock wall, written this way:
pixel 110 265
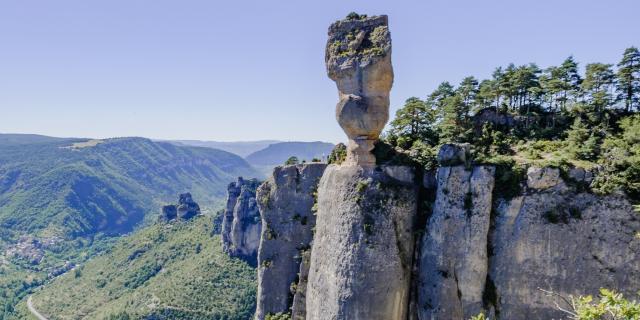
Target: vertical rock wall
pixel 362 251
pixel 454 260
pixel 566 242
pixel 286 201
pixel 241 223
pixel 233 191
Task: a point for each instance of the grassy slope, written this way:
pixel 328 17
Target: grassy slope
pixel 171 271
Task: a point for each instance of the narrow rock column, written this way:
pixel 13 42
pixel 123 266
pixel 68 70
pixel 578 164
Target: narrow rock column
pixel 362 251
pixel 286 202
pixel 454 260
pixel 233 191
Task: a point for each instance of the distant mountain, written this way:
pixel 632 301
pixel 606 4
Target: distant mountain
pixel 241 148
pixel 175 271
pixel 7 139
pixel 278 153
pixel 76 187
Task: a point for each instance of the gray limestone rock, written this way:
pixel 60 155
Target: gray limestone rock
pixel 543 178
pixel 187 208
pixel 358 59
pixel 233 191
pixel 454 259
pixel 562 241
pixel 452 154
pixel 286 201
pixel 299 307
pixel 361 258
pixel 169 212
pixel 241 224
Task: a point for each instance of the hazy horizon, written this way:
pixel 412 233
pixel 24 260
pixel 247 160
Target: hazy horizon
pixel 249 71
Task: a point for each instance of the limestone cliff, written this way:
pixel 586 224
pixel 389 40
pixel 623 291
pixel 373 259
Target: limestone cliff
pixel 561 240
pixel 362 252
pixel 241 223
pixel 454 260
pixel 484 253
pixel 286 201
pixel 478 251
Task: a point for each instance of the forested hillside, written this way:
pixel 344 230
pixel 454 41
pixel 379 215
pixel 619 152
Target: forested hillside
pixel 61 199
pixel 556 116
pixel 73 187
pixel 166 271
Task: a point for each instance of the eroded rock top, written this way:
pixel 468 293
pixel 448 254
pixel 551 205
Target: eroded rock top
pixel 357 41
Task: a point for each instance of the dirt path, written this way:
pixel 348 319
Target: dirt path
pixel 33 310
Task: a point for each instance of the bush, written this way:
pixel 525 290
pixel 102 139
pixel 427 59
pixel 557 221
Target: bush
pixel 293 160
pixel 338 154
pixel 610 306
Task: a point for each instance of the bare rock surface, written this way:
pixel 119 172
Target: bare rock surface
pixel 358 59
pixel 362 252
pixel 454 258
pixel 187 208
pixel 286 201
pixel 241 224
pixel 452 154
pixel 543 178
pixel 563 241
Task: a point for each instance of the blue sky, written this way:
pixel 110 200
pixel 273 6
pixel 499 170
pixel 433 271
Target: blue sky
pixel 250 70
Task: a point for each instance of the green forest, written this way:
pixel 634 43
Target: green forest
pixel 557 116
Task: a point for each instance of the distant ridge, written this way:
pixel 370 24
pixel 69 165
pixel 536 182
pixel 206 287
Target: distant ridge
pixel 278 153
pixel 241 148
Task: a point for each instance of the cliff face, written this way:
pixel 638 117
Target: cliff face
pixel 479 252
pixel 286 201
pixel 454 261
pixel 564 241
pixel 552 237
pixel 362 251
pixel 241 223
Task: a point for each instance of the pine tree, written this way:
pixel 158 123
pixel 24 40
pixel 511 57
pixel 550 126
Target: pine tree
pixel 628 86
pixel 597 85
pixel 414 122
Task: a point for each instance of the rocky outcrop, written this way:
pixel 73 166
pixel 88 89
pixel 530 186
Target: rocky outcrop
pixel 454 258
pixel 184 210
pixel 233 191
pixel 241 223
pixel 565 242
pixel 286 201
pixel 452 154
pixel 299 305
pixel 362 252
pixel 187 208
pixel 169 212
pixel 542 178
pixel 358 59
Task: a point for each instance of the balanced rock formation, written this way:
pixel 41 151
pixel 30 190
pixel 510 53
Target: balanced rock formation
pixel 286 201
pixel 362 251
pixel 358 59
pixel 454 258
pixel 241 223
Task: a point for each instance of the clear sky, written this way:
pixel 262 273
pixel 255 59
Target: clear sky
pixel 250 70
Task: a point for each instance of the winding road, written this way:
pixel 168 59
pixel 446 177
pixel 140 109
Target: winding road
pixel 33 310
